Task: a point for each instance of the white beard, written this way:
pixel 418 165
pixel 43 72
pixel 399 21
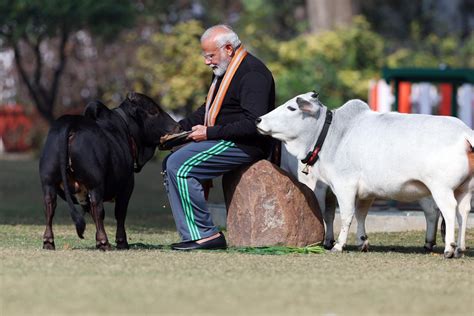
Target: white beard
pixel 221 68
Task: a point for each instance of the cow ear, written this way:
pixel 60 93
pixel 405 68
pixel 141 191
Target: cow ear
pixel 306 106
pixel 131 96
pixel 95 109
pixel 143 102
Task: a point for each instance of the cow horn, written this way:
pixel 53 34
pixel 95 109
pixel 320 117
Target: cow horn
pixel 131 96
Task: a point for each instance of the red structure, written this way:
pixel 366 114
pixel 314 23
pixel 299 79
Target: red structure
pixel 446 90
pixel 15 128
pixel 404 91
pixel 448 79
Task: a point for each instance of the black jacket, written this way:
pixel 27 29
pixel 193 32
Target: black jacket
pixel 251 94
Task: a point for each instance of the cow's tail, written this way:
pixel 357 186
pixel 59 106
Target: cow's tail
pixel 76 216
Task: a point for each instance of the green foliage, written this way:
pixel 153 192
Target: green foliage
pixel 273 18
pixel 45 18
pixel 264 23
pixel 338 64
pixel 279 250
pixel 170 67
pixel 433 51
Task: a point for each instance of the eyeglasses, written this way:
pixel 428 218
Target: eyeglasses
pixel 210 56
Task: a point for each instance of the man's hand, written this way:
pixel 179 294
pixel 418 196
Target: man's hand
pixel 199 133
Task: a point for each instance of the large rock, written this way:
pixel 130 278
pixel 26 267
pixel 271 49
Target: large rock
pixel 266 207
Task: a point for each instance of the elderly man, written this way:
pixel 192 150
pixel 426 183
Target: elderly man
pixel 223 135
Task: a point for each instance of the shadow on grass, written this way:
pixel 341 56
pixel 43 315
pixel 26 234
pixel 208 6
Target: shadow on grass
pixel 133 246
pixel 143 246
pixel 417 250
pixel 278 250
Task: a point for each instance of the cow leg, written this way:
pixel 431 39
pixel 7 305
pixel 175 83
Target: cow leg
pixel 432 216
pixel 329 213
pixel 98 214
pixel 464 207
pixel 443 228
pixel 361 214
pixel 327 204
pixel 121 205
pixel 447 204
pixel 86 208
pixel 49 198
pixel 347 209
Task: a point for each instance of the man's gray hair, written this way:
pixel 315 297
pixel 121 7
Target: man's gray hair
pixel 228 36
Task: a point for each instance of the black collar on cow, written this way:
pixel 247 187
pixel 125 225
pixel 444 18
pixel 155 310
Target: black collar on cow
pixel 131 141
pixel 313 155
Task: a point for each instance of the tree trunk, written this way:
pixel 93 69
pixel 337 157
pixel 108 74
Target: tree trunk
pixel 326 15
pixel 44 98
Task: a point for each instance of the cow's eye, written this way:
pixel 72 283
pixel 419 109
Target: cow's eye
pixel 291 108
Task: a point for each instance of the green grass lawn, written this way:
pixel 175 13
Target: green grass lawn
pixel 395 278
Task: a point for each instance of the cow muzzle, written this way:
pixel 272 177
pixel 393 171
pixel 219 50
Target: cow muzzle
pixel 263 126
pixel 258 120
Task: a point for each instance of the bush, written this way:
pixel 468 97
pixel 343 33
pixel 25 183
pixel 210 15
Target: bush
pixel 337 64
pixel 171 68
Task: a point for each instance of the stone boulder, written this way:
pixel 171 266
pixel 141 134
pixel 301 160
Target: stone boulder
pixel 266 207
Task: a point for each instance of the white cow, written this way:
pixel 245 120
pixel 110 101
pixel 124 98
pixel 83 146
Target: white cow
pixel 368 155
pixel 327 203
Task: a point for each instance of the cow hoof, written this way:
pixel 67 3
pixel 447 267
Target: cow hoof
pixel 337 248
pixel 104 246
pixel 123 245
pixel 458 253
pixel 329 244
pixel 429 247
pixel 364 247
pixel 49 245
pixel 449 254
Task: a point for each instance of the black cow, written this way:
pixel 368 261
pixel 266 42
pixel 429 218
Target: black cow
pixel 96 156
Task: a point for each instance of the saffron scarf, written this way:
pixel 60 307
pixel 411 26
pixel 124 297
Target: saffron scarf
pixel 212 109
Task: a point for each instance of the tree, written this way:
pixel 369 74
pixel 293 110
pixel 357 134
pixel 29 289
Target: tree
pixel 170 67
pixel 338 64
pixel 326 15
pixel 393 19
pixel 43 27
